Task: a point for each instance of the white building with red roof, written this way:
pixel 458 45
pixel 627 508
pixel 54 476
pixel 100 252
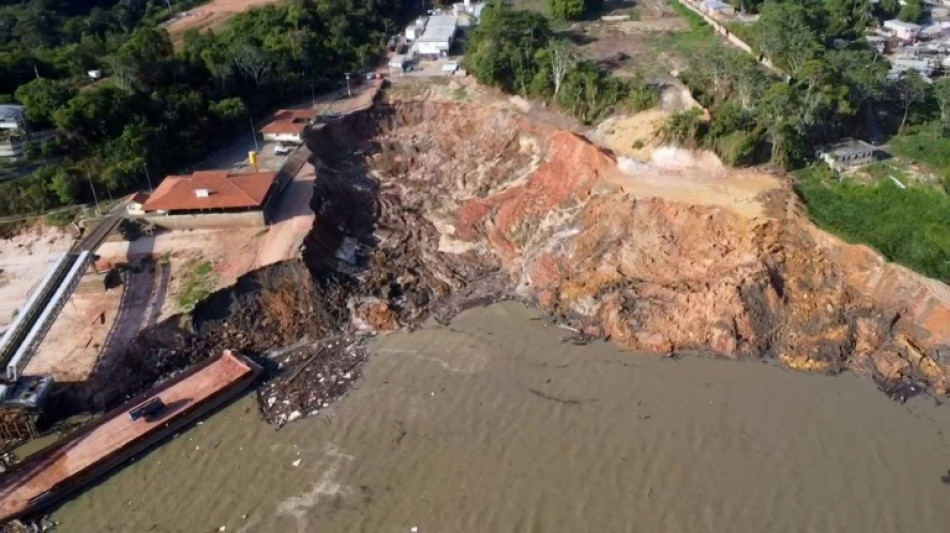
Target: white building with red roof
pixel 289 125
pixel 209 191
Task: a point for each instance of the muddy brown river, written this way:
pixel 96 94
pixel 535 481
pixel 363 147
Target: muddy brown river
pixel 493 424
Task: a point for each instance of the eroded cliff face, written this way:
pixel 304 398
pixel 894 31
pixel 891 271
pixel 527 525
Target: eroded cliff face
pixel 438 205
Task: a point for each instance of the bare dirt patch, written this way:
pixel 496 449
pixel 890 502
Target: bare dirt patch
pixel 629 46
pixel 24 259
pixel 212 15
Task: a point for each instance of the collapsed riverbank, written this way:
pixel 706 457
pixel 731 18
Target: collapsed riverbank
pixel 493 424
pixel 425 209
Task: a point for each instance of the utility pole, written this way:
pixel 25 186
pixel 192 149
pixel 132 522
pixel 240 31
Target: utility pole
pixel 254 134
pixel 349 93
pixel 147 178
pixel 313 96
pixel 94 197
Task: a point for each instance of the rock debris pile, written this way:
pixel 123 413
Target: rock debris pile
pixel 310 378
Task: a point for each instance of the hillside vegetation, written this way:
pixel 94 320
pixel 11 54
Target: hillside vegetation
pixel 163 108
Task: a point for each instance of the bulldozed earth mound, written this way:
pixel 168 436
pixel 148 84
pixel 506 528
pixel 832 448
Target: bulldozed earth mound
pixel 423 209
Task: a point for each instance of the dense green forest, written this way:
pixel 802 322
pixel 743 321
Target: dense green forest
pixel 163 107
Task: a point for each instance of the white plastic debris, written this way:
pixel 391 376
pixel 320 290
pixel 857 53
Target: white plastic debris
pixel 296 463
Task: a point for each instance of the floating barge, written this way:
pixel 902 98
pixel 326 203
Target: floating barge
pixel 54 473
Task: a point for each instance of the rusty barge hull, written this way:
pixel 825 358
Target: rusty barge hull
pixel 53 474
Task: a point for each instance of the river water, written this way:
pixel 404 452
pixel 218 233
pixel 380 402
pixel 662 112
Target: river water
pixel 493 424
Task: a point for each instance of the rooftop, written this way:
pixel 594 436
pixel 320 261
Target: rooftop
pixel 211 189
pixel 894 23
pixel 437 34
pixel 849 147
pixel 11 112
pixel 438 21
pixel 717 5
pixel 291 121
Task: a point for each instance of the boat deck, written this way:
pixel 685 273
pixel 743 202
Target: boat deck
pixel 116 433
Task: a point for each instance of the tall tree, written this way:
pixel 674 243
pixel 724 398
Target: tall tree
pixel 567 9
pixel 942 93
pixel 42 97
pixel 779 112
pixel 911 89
pixel 912 11
pixel 561 55
pixel 785 34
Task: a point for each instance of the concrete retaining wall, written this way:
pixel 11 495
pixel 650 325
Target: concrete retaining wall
pixel 209 220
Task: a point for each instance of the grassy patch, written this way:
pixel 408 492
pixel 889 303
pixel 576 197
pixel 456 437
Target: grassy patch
pixel 909 226
pixel 885 170
pixel 926 146
pixel 699 35
pixel 198 279
pixel 61 217
pixel 459 93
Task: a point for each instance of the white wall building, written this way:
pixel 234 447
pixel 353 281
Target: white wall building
pixel 436 41
pixel 12 117
pixel 438 37
pixel 905 31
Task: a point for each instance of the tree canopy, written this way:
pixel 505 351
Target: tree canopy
pixel 160 107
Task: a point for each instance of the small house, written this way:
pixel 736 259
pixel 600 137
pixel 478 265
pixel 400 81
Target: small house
pixel 289 125
pixel 211 191
pixel 905 31
pixel 438 37
pixel 12 117
pixel 847 153
pixel 717 8
pixel 936 30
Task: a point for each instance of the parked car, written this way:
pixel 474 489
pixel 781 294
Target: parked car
pixel 282 149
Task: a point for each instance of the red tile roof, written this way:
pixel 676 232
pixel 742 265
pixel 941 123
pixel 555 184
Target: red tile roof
pixel 225 191
pixel 284 126
pixel 297 115
pixel 291 121
pixel 138 198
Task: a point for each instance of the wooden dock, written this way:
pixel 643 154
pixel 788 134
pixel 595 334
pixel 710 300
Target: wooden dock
pixel 54 473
